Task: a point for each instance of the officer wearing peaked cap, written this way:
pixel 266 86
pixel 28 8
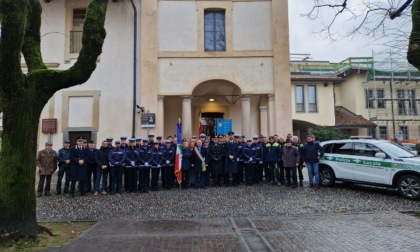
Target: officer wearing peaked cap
pixel 78 159
pixel 123 142
pixel 63 157
pixel 131 168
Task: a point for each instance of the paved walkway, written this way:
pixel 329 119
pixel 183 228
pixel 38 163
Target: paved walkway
pixel 387 231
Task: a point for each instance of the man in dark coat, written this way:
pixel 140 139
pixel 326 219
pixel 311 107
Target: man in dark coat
pixel 145 159
pixel 249 156
pixel 168 164
pixel 231 161
pixel 291 160
pixel 185 164
pixel 131 168
pixel 102 169
pixel 91 165
pixel 312 153
pixel 117 158
pixel 157 157
pixel 78 159
pixel 216 161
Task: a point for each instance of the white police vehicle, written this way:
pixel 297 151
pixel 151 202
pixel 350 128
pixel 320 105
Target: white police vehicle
pixel 371 162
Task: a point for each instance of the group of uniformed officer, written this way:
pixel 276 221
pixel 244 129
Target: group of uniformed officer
pixel 138 164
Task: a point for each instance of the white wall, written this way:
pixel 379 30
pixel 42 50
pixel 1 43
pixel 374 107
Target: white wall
pixel 252 28
pixel 177 25
pixel 180 76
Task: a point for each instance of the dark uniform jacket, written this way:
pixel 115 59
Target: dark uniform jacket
pixel 63 154
pixel 231 165
pixel 186 158
pixel 132 154
pixel 78 172
pixel 91 158
pixel 157 157
pixel 169 155
pixel 215 158
pixel 117 157
pixel 145 156
pixel 272 152
pixel 248 153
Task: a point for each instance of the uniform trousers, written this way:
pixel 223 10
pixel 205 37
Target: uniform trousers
pixel 167 176
pixel 155 178
pixel 131 178
pixel 240 177
pixel 144 179
pixel 249 173
pixel 63 169
pixel 117 174
pixel 200 178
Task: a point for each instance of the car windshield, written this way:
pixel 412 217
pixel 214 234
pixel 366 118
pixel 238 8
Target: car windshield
pixel 395 150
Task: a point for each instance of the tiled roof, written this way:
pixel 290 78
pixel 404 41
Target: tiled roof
pixel 316 77
pixel 345 118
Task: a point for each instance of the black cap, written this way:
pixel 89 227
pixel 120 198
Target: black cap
pixel 159 137
pixel 67 141
pixel 91 141
pixel 231 133
pixel 132 140
pixel 109 139
pixel 117 142
pixel 288 140
pixel 123 138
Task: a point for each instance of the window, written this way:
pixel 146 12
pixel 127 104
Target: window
pixel 327 148
pixel 383 132
pixel 380 94
pixel 312 101
pixel 77 30
pixel 412 106
pixel 372 98
pixel 368 98
pixel 401 102
pixel 342 148
pixel 364 149
pixel 404 131
pixel 300 99
pixel 214 31
pixel 372 132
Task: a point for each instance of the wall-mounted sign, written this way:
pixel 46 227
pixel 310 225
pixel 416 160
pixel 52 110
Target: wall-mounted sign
pixel 148 120
pixel 49 126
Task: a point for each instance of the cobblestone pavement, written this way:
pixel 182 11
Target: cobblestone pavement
pixel 385 231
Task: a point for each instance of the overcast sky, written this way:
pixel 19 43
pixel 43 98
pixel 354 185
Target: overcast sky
pixel 304 39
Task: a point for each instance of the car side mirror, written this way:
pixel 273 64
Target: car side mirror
pixel 380 155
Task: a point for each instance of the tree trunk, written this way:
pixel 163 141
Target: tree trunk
pixel 17 163
pixel 24 96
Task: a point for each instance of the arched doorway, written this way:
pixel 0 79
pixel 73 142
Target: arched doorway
pixel 212 100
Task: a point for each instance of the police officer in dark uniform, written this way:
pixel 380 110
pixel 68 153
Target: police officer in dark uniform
pixel 117 158
pixel 297 144
pixel 168 165
pixel 272 154
pixel 91 166
pixel 231 160
pixel 216 161
pixel 78 158
pixel 138 142
pixel 131 167
pixel 186 164
pixel 280 171
pixel 249 156
pixel 145 159
pixel 63 157
pixel 258 160
pixel 241 144
pixel 157 157
pixel 151 140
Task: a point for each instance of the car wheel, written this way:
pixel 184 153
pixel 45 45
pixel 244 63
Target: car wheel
pixel 409 186
pixel 326 176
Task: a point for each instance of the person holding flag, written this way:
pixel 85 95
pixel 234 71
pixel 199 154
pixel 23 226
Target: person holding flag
pixel 199 164
pixel 178 153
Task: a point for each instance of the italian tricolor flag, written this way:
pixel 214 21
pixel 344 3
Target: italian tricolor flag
pixel 178 163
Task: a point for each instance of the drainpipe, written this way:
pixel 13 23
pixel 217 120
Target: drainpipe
pixel 133 132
